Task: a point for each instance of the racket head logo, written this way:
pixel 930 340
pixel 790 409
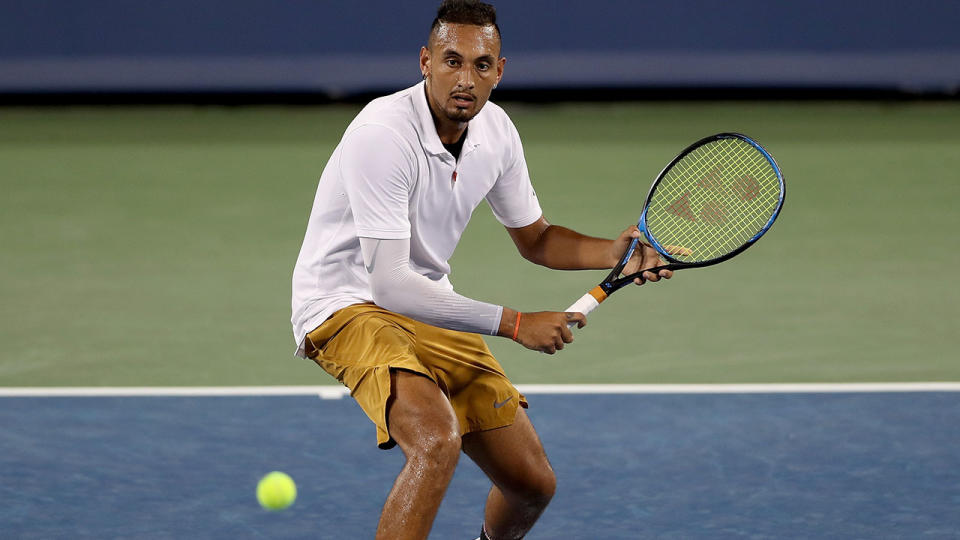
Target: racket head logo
pixel 714 213
pixel 746 187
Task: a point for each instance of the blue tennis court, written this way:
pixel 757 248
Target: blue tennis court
pixel 785 465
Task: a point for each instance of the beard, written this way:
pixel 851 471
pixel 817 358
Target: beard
pixel 457 114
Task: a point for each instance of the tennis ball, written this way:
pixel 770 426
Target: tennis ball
pixel 276 491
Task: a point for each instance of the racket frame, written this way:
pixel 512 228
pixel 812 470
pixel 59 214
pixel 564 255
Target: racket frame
pixel 612 283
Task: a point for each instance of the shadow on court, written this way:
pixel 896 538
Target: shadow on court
pixel 628 466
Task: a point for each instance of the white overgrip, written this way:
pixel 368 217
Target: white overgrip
pixel 585 305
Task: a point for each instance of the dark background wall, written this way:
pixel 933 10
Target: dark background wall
pixel 349 47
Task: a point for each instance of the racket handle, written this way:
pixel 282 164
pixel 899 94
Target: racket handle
pixel 586 303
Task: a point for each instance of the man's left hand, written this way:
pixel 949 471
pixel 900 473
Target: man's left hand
pixel 645 256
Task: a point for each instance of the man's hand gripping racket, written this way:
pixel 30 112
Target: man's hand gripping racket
pixel 713 201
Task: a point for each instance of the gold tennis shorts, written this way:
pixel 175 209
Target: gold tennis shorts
pixel 360 344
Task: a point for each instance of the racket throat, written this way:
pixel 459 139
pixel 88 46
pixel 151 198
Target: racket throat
pixel 598 293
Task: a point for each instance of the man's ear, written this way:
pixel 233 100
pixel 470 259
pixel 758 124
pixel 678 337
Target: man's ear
pixel 424 62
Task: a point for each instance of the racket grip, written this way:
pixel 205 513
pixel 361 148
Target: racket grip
pixel 585 305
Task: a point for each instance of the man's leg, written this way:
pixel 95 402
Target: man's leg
pixel 425 427
pixel 523 481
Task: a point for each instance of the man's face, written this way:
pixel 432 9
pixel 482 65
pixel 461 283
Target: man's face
pixel 462 65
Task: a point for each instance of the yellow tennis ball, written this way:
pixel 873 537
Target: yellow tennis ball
pixel 276 491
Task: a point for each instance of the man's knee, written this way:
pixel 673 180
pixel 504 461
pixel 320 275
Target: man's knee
pixel 536 488
pixel 542 487
pixel 436 445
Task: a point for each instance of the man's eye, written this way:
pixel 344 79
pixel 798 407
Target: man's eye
pixel 483 67
pixel 453 63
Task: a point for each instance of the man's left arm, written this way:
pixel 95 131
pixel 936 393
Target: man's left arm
pixel 561 248
pixel 514 203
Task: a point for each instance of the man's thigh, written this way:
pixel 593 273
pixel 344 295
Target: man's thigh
pixel 418 412
pixel 361 346
pixel 467 372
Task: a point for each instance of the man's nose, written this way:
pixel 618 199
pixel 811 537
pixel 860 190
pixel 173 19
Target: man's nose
pixel 466 78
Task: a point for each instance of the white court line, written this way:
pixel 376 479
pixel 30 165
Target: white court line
pixel 325 392
pixel 337 392
pixel 751 388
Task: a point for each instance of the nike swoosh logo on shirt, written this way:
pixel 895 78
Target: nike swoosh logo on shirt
pixel 498 404
pixel 373 258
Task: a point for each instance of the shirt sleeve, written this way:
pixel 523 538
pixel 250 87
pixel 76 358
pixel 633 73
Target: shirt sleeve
pixel 397 287
pixel 378 172
pixel 512 198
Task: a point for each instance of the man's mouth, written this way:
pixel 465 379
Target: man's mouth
pixel 462 100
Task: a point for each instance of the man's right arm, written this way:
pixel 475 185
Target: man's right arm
pixel 400 289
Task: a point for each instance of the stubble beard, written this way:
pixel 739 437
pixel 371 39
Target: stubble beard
pixel 457 114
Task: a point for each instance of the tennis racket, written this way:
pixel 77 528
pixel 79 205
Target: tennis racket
pixel 713 201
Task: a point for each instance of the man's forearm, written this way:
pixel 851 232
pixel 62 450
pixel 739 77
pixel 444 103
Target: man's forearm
pixel 560 248
pixel 395 286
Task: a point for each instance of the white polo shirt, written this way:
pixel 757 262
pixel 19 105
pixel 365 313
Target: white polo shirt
pixel 391 178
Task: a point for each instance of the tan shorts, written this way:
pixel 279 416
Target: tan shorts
pixel 360 344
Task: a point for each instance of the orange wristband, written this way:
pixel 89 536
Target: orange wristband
pixel 516 327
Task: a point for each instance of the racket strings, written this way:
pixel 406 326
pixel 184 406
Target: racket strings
pixel 713 200
pixel 720 226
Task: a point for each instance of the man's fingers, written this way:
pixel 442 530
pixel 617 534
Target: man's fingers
pixel 678 250
pixel 576 317
pixel 549 331
pixel 651 259
pixel 566 335
pixel 650 276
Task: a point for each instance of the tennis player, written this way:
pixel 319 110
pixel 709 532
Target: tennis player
pixel 372 303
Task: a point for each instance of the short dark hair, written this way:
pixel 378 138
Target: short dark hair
pixel 465 12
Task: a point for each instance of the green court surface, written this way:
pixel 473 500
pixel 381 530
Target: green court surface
pixel 154 246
